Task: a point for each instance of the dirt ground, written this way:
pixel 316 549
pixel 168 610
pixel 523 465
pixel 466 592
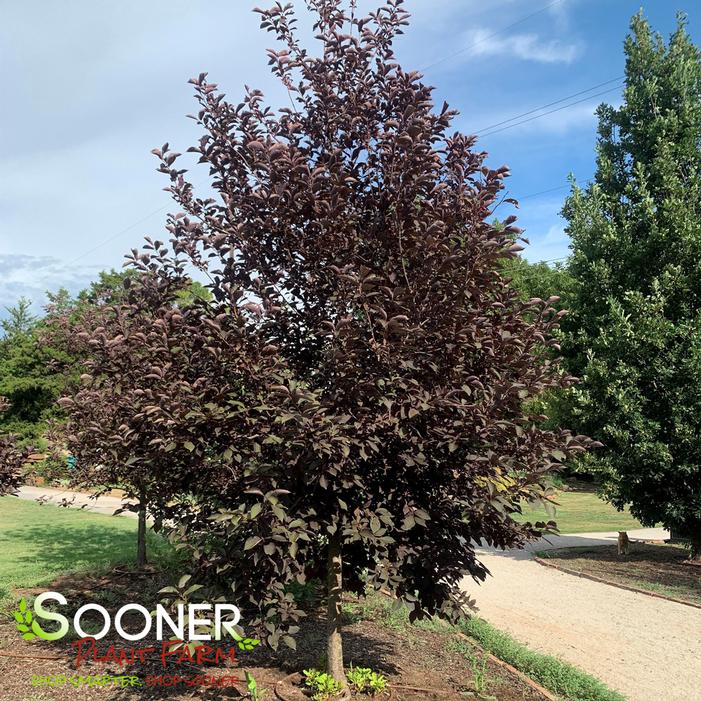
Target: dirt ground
pixel 657 568
pixel 436 664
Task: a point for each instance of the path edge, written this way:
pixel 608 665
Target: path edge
pixel 521 675
pixel 601 580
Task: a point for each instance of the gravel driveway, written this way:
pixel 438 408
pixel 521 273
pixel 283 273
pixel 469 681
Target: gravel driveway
pixel 646 648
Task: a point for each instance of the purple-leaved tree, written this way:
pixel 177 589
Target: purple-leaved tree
pixel 361 397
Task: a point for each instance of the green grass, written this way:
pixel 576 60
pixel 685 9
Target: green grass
pixel 39 543
pixel 555 675
pixel 562 678
pixel 653 567
pixel 582 512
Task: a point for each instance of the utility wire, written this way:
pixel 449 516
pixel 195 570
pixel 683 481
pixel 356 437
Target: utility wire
pixel 549 104
pixel 542 192
pixel 117 235
pixel 557 109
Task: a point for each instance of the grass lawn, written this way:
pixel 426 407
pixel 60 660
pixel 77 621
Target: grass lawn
pixel 656 568
pixel 39 543
pixel 582 512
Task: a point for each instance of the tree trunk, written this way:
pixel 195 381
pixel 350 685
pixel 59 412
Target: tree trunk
pixel 695 554
pixel 334 581
pixel 141 534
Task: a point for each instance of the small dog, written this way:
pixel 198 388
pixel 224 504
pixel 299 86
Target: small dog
pixel 623 543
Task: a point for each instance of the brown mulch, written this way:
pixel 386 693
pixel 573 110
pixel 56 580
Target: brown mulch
pixel 660 569
pixel 431 661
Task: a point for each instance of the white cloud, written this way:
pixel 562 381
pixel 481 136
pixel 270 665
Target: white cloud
pixel 561 12
pixel 30 276
pixel 527 47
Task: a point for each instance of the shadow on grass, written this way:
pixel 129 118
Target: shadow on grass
pixel 56 549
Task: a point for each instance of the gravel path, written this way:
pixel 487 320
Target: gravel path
pixel 106 505
pixel 646 648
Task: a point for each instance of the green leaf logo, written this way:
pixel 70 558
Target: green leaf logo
pixel 248 643
pixel 23 620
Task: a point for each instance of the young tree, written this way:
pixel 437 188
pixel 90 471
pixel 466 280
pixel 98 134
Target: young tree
pixel 119 412
pixel 11 459
pixel 365 403
pixel 634 335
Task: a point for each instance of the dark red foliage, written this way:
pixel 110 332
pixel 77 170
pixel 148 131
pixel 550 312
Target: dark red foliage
pixel 364 376
pixel 11 460
pixel 119 411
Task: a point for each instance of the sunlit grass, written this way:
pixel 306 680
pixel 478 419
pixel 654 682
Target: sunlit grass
pixel 583 512
pixel 40 542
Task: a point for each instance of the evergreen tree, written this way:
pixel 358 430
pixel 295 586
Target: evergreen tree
pixel 27 377
pixel 19 319
pixel 634 334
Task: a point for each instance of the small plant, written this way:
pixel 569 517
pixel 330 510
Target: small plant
pixel 479 673
pixel 254 693
pixel 90 628
pixel 322 685
pixel 306 595
pixel 365 681
pixel 478 666
pixel 350 614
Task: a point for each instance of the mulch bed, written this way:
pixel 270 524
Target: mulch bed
pixel 426 660
pixel 658 569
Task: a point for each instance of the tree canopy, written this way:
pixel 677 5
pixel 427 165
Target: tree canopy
pixel 358 386
pixel 634 334
pixel 11 459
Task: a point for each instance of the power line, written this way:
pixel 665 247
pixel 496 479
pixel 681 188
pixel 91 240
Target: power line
pixel 117 235
pixel 47 276
pixel 549 104
pixel 542 192
pixel 490 36
pixel 544 114
pixel 552 189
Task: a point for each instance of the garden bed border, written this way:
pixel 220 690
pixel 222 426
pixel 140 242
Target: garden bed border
pixel 601 580
pixel 523 677
pixel 492 658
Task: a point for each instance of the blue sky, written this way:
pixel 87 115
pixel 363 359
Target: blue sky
pixel 90 88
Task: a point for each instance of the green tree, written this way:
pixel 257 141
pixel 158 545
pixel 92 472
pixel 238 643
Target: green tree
pixel 20 320
pixel 634 334
pixel 540 280
pixel 27 376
